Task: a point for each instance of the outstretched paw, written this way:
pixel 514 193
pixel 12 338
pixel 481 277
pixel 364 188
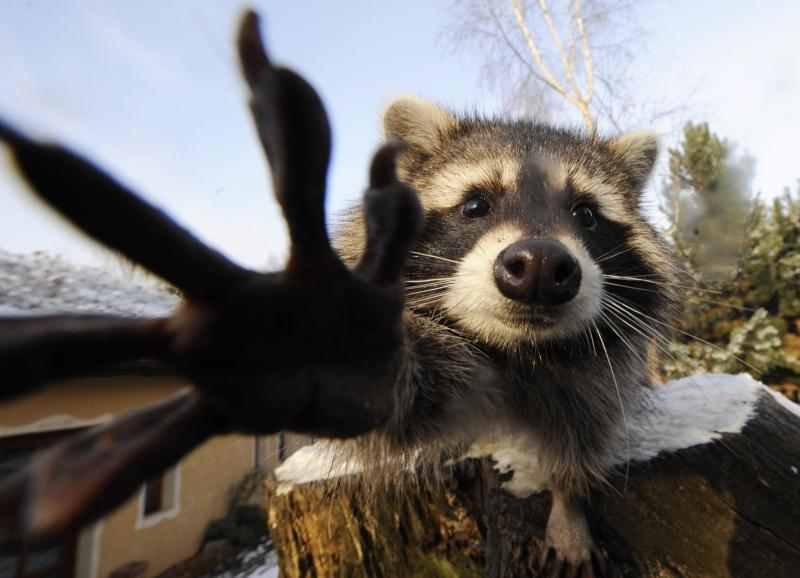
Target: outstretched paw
pixel 315 348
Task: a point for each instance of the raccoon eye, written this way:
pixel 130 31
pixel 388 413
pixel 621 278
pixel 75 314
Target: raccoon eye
pixel 476 207
pixel 585 217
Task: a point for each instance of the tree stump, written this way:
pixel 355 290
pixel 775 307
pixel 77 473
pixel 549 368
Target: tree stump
pixel 324 533
pixel 712 490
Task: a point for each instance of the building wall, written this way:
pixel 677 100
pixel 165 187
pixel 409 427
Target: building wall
pixel 204 477
pixel 85 400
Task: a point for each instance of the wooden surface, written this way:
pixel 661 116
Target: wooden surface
pixel 729 508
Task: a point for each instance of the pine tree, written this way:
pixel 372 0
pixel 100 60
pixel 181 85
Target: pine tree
pixel 750 321
pixel 707 200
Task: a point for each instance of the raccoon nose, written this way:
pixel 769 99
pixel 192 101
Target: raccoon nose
pixel 539 272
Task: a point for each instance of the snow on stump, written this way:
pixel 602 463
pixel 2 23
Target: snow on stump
pixel 711 490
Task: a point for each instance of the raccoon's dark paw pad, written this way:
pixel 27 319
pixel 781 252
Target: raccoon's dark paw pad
pixel 595 564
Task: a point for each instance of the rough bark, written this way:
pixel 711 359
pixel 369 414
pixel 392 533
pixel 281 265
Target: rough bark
pixel 324 533
pixel 729 508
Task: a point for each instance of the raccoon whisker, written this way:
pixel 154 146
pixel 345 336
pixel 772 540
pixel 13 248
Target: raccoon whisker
pixel 692 297
pixel 535 344
pixel 662 283
pixel 422 290
pixel 690 335
pixel 641 275
pixel 428 255
pixel 637 316
pixel 641 279
pixel 608 257
pixel 660 340
pixel 431 280
pixel 427 286
pixel 424 301
pixel 585 336
pixel 611 250
pixel 650 331
pixel 425 291
pixel 642 329
pixel 647 332
pixel 590 339
pixel 618 332
pixel 623 286
pixel 621 407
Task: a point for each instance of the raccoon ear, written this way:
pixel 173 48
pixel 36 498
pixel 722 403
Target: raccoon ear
pixel 638 152
pixel 420 123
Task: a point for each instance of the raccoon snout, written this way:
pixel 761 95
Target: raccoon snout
pixel 537 271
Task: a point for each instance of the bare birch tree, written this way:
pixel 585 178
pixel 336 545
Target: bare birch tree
pixel 546 57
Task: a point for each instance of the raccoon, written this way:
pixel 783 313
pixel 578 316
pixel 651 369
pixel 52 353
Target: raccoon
pixel 536 296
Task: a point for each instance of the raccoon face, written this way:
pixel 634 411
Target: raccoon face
pixel 523 223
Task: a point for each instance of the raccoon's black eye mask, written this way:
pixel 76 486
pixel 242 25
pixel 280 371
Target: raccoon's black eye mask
pixel 264 352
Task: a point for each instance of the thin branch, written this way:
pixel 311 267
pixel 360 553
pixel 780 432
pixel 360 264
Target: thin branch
pixel 566 62
pixel 530 40
pixel 549 78
pixel 587 52
pixel 581 61
pixel 510 45
pixel 607 110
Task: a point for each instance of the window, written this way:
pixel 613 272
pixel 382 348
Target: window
pixel 159 499
pixel 154 496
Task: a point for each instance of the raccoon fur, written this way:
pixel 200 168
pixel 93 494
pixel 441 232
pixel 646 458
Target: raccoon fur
pixel 536 296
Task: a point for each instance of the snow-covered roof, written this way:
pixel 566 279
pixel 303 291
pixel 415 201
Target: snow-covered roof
pixel 39 283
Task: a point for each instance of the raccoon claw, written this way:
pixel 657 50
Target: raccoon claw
pixel 600 562
pixel 295 133
pixel 569 548
pixel 554 565
pixel 393 216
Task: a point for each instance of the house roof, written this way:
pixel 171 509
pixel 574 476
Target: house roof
pixel 38 283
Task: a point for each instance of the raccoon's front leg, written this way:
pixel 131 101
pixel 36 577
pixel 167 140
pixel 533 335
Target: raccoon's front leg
pixel 569 549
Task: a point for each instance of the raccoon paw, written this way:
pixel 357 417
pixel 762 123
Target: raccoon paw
pixel 569 551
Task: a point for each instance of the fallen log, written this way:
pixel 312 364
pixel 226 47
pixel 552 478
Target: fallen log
pixel 711 489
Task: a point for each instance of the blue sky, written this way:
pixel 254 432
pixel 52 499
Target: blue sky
pixel 150 89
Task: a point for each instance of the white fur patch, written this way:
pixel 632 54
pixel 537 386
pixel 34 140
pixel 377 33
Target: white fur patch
pixel 553 171
pixel 685 413
pixel 313 462
pixel 476 304
pixel 451 182
pixel 517 453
